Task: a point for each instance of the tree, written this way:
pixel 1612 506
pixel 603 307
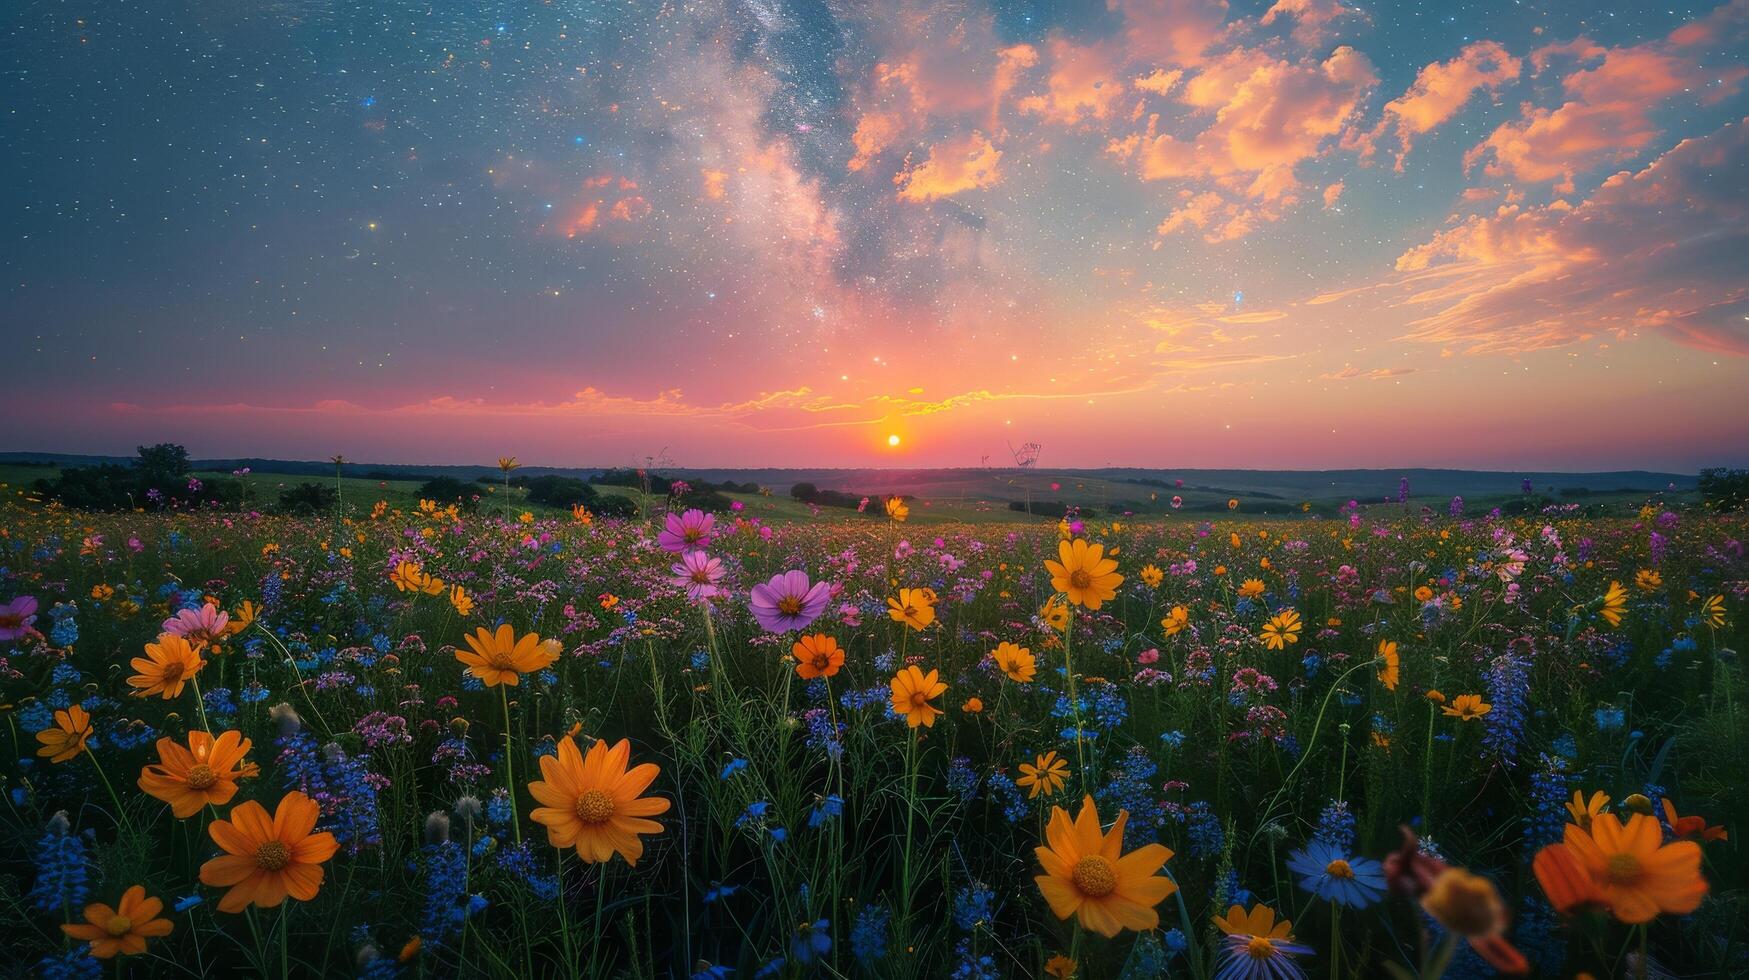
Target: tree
pixel 161 465
pixel 448 489
pixel 308 498
pixel 1725 489
pixel 804 492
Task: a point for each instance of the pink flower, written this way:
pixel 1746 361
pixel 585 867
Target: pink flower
pixel 1148 656
pixel 788 602
pixel 16 617
pixel 205 625
pixel 699 574
pixel 688 531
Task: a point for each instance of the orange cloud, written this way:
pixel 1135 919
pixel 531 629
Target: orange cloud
pixel 1082 85
pixel 1332 194
pixel 1170 32
pixel 1315 21
pixel 1439 91
pixel 951 168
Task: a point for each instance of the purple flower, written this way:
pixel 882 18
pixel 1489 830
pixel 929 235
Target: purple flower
pixel 16 617
pixel 686 532
pixel 787 602
pixel 699 574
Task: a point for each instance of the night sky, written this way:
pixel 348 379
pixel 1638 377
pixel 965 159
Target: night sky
pixel 1180 233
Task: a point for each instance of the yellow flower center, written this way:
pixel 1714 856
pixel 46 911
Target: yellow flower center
pixel 1623 869
pixel 1339 869
pixel 594 806
pixel 502 659
pixel 272 855
pixel 1080 579
pixel 692 534
pixel 1259 948
pixel 202 777
pixel 1094 876
pixel 701 576
pixel 121 925
pixel 790 605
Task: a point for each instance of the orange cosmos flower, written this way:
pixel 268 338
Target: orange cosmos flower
pixel 1282 630
pixel 897 510
pixel 463 603
pixel 1712 611
pixel 205 772
pixel 914 607
pixel 242 618
pixel 1648 580
pixel 1044 776
pixel 1152 576
pixel 66 738
pixel 267 858
pixel 502 658
pixel 1388 655
pixel 595 803
pixel 1467 707
pixel 1251 588
pixel 1175 621
pixel 817 655
pixel 1087 875
pixel 123 929
pixel 1630 869
pixel 1583 810
pixel 168 665
pixel 912 692
pixel 1084 574
pixel 1260 921
pixel 1615 604
pixel 410 577
pixel 1017 662
pixel 1690 827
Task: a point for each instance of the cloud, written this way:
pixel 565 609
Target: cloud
pixel 951 168
pixel 1174 33
pixel 1350 373
pixel 1315 21
pixel 1332 194
pixel 1439 92
pixel 1661 249
pixel 1082 86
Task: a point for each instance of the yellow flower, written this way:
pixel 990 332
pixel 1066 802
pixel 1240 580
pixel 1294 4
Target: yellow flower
pixel 1712 611
pixel 123 929
pixel 1084 574
pixel 1016 662
pixel 1055 613
pixel 1648 580
pixel 463 603
pixel 595 803
pixel 914 607
pixel 1251 588
pixel 1388 673
pixel 503 657
pixel 1260 921
pixel 166 668
pixel 897 509
pixel 1087 875
pixel 1282 629
pixel 1583 810
pixel 1467 707
pixel 1043 776
pixel 410 577
pixel 1615 604
pixel 1153 576
pixel 1175 621
pixel 912 692
pixel 67 736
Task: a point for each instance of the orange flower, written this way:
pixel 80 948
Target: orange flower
pixel 1260 921
pixel 502 658
pixel 1282 630
pixel 897 510
pixel 463 603
pixel 1087 875
pixel 1388 673
pixel 1045 775
pixel 267 858
pixel 973 705
pixel 168 665
pixel 1084 574
pixel 1251 588
pixel 596 804
pixel 1016 662
pixel 1615 604
pixel 410 577
pixel 66 738
pixel 1152 576
pixel 205 772
pixel 242 618
pixel 1061 967
pixel 1690 827
pixel 1468 707
pixel 817 655
pixel 123 929
pixel 1626 867
pixel 1175 621
pixel 1583 810
pixel 914 607
pixel 912 692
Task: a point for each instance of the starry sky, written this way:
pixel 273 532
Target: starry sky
pixel 1288 234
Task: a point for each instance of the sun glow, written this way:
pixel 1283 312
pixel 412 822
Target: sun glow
pixel 893 440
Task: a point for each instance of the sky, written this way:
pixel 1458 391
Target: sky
pixel 1163 233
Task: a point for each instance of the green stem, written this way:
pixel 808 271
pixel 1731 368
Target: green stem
pixel 509 764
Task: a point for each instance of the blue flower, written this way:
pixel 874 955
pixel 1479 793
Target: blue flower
pixel 732 767
pixel 813 940
pixel 1328 872
pixel 868 938
pixel 1260 958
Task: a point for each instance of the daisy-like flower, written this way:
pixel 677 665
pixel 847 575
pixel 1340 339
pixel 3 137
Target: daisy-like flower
pixel 410 577
pixel 1055 613
pixel 1615 604
pixel 912 692
pixel 1152 576
pixel 1016 662
pixel 199 627
pixel 1084 574
pixel 1175 621
pixel 204 772
pixel 897 510
pixel 1626 867
pixel 168 665
pixel 1467 707
pixel 698 573
pixel 66 738
pixel 1691 827
pixel 1251 588
pixel 1282 630
pixel 243 617
pixel 267 858
pixel 817 655
pixel 595 803
pixel 691 531
pixel 16 618
pixel 788 602
pixel 913 607
pixel 121 930
pixel 1257 947
pixel 1087 875
pixel 1583 810
pixel 1712 611
pixel 461 601
pixel 1044 776
pixel 1648 580
pixel 1328 872
pixel 1389 662
pixel 502 657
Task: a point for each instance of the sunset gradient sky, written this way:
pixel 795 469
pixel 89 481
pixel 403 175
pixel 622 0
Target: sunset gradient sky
pixel 1299 234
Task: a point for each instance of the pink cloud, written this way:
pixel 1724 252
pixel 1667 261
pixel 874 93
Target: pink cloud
pixel 952 167
pixel 1083 85
pixel 1439 92
pixel 1315 21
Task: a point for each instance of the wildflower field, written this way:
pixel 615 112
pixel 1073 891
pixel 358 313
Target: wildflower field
pixel 425 742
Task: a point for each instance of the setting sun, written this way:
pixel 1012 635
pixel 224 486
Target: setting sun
pixel 893 440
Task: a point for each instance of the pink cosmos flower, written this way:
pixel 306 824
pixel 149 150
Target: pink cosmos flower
pixel 1148 656
pixel 788 602
pixel 205 625
pixel 698 573
pixel 16 617
pixel 687 532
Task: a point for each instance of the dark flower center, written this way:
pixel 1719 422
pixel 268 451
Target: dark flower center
pixel 594 806
pixel 272 856
pixel 1094 876
pixel 202 776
